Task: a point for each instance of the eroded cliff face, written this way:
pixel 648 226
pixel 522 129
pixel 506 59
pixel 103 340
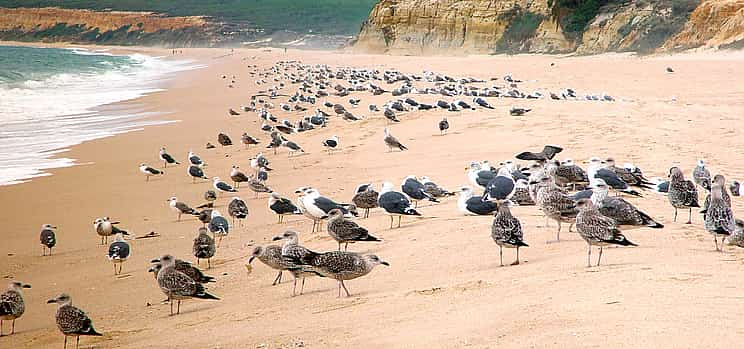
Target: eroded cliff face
pixel 493 26
pixel 107 27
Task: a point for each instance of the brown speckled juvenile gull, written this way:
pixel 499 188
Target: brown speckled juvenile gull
pixel 12 305
pixel 506 231
pixel 682 193
pixel 72 321
pixel 366 198
pixel 392 142
pixel 340 265
pixel 271 255
pixel 720 180
pixel 597 229
pixel 555 204
pixel 345 231
pixel 184 267
pixel 204 247
pixel 719 219
pixel 623 212
pixel 177 285
pixel 291 251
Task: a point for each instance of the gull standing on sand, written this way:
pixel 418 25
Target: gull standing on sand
pixel 48 238
pixel 149 171
pixel 556 205
pixel 597 230
pixel 282 206
pixel 292 251
pixel 316 207
pixel 195 160
pixel 222 186
pixel 271 256
pixel 395 203
pixel 218 225
pixel 72 321
pixel 177 285
pixel 506 231
pixel 180 208
pixel 118 252
pixel 237 209
pixel 719 219
pixel 105 228
pixel 195 172
pixel 415 190
pixel 720 180
pixel 204 247
pixel 237 176
pixel 392 142
pixel 12 305
pixel 682 193
pixel 340 265
pixel 701 175
pixel 443 126
pixel 366 198
pixel 185 267
pixel 623 212
pixel 292 146
pixel 470 204
pixel 248 140
pixel 167 158
pixel 345 231
pixel 331 144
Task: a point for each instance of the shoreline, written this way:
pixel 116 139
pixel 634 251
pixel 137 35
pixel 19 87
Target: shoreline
pixel 443 288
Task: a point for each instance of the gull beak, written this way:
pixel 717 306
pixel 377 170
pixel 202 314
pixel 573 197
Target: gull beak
pixel 151 269
pixel 54 227
pixel 533 183
pixel 51 301
pixel 155 261
pixel 250 260
pixel 276 238
pixel 385 263
pixel 26 286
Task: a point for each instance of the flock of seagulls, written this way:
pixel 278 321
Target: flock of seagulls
pixel 562 190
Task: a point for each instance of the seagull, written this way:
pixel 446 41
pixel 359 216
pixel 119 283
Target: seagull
pixel 470 204
pixel 248 140
pixel 339 265
pixel 232 112
pixel 516 111
pixel 390 115
pixel 701 175
pixel 317 207
pixel 555 204
pixel 623 212
pixel 260 162
pixel 149 171
pixel 291 252
pixel 292 146
pixel 196 172
pixel 118 252
pixel 237 209
pixel 501 187
pixel 395 203
pixel 204 247
pixel 238 176
pixel 443 126
pixel 365 197
pixel 282 206
pixel 392 142
pixel 373 108
pixel 433 189
pixel 177 285
pixel 719 219
pixel 415 190
pixel 597 170
pixel 331 144
pixel 180 208
pixel 479 176
pixel 223 139
pixel 195 160
pixel 12 305
pixel 682 193
pixel 222 186
pixel 167 159
pixel 597 229
pixel 218 225
pixel 345 231
pixel 548 152
pixel 506 231
pixel 48 239
pixel 72 321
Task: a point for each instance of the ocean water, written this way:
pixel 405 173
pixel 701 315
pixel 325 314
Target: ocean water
pixel 50 99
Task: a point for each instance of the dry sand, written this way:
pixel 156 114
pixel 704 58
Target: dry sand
pixel 444 287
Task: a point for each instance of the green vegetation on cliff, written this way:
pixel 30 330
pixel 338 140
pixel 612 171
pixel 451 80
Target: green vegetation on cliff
pixel 320 16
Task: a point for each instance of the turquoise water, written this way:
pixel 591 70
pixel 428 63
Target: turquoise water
pixel 50 98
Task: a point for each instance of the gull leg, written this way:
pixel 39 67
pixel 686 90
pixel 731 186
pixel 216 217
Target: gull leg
pixel 344 286
pixel 589 257
pixel 302 287
pixel 1 328
pixel 675 214
pixel 346 247
pixel 171 306
pixel 501 255
pixel 339 246
pixel 689 219
pixel 209 263
pixel 600 255
pixel 178 307
pixel 12 328
pixel 294 287
pixel 516 262
pixel 198 260
pixel 391 222
pixel 77 342
pixel 570 228
pixel 65 342
pixel 715 239
pixel 277 279
pixel 399 218
pixel 339 289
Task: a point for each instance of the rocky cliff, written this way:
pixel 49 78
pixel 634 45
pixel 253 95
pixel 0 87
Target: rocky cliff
pixel 108 27
pixel 550 26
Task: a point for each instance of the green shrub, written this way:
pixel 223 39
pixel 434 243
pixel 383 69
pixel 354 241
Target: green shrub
pixel 520 29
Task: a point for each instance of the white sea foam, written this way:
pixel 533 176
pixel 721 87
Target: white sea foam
pixel 41 119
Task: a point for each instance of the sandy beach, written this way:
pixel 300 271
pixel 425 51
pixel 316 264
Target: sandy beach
pixel 444 287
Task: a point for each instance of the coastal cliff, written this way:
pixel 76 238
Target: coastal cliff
pixel 107 27
pixel 550 26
